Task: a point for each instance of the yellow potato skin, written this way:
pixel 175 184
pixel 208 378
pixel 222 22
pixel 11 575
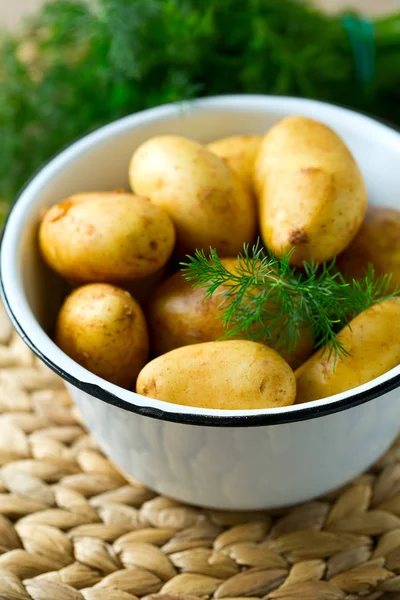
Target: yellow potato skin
pixel 227 375
pixel 206 200
pixel 312 196
pixel 377 243
pixel 93 196
pixel 374 346
pixel 103 329
pixel 178 315
pixel 107 237
pixel 239 152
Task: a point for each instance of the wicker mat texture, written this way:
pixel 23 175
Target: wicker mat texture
pixel 73 528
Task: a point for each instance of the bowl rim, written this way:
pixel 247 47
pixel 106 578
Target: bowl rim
pixel 182 414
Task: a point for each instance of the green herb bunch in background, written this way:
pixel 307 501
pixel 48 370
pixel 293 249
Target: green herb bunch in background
pixel 78 65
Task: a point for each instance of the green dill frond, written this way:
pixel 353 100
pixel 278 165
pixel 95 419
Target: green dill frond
pixel 267 300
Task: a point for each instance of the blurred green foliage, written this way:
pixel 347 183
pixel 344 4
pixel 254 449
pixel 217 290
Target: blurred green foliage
pixel 76 66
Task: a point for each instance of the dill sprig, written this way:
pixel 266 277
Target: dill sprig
pixel 265 299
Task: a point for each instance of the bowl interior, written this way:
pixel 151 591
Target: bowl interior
pixel 100 162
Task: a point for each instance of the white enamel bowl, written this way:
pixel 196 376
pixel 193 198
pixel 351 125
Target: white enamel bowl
pixel 222 459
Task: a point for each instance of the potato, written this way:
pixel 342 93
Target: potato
pixel 377 243
pixel 103 328
pixel 106 237
pixel 87 196
pixel 311 193
pixel 240 153
pixel 144 289
pixel 374 346
pixel 232 375
pixel 207 202
pixel 178 315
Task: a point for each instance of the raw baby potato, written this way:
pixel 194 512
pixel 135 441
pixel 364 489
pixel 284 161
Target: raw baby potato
pixel 106 237
pixel 311 192
pixel 377 243
pixel 373 342
pixel 240 153
pixel 207 201
pixel 103 328
pixel 179 315
pixel 232 374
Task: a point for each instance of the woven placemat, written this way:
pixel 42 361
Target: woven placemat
pixel 73 528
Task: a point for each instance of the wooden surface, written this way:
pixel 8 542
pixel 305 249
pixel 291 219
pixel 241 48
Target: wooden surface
pixel 12 10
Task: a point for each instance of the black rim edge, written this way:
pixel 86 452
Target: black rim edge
pixel 303 414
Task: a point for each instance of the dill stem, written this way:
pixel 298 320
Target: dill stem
pixel 266 299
